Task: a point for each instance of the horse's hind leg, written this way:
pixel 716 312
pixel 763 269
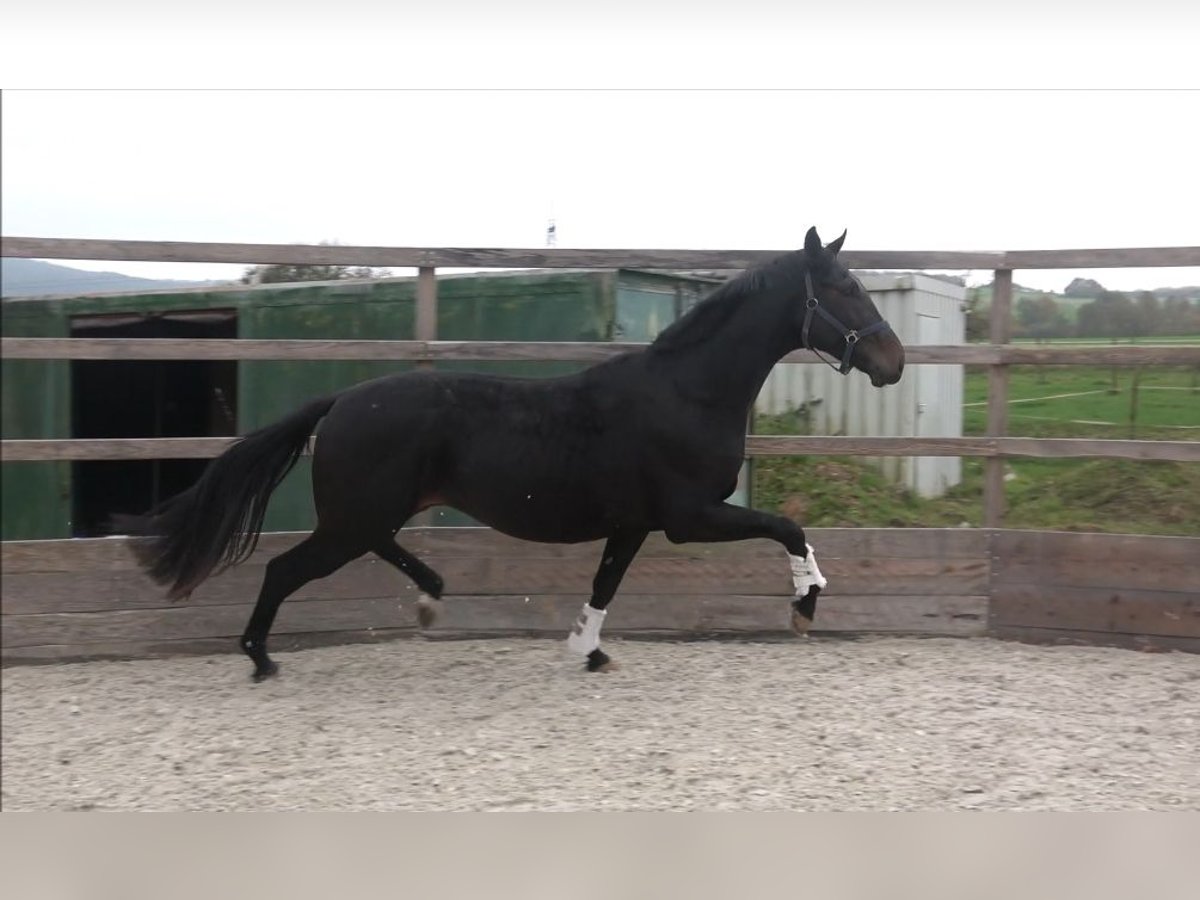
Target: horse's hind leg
pixel 429 581
pixel 318 555
pixel 584 638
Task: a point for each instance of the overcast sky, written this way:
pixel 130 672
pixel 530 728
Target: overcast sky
pixel 739 169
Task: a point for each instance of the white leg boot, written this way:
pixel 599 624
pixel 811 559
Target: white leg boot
pixel 585 633
pixel 805 573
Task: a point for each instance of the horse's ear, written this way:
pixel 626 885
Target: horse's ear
pixel 836 245
pixel 812 244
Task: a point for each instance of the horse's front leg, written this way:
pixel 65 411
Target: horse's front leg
pixel 584 638
pixel 725 522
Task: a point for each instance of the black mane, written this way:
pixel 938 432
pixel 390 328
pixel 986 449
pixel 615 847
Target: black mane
pixel 710 314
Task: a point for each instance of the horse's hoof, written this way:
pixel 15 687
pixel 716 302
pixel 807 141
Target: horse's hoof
pixel 800 623
pixel 427 611
pixel 599 661
pixel 262 673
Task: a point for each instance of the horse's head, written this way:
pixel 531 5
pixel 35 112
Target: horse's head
pixel 836 316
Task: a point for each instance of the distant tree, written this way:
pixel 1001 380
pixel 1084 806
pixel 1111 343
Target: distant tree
pixel 1179 316
pixel 1148 314
pixel 1041 317
pixel 976 315
pixel 1111 314
pixel 1084 287
pixel 285 274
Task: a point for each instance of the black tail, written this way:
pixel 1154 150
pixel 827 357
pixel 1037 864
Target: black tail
pixel 215 523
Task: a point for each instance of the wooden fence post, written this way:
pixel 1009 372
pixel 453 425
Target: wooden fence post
pixel 427 312
pixel 997 408
pixel 425 329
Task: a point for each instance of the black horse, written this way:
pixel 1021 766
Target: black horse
pixel 650 440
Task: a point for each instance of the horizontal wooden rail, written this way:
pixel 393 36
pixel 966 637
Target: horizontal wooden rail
pixel 1119 258
pixel 469 257
pixel 113 448
pixel 1041 448
pixel 558 351
pixel 756 446
pixel 237 349
pixel 1103 355
pixel 463 257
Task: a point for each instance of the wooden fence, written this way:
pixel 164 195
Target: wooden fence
pixel 81 598
pixel 86 599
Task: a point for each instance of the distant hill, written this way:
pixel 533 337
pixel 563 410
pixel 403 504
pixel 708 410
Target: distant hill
pixel 33 278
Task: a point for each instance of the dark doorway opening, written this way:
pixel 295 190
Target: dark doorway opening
pixel 144 399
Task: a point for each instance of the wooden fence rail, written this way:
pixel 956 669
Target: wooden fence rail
pixel 757 445
pixel 552 351
pixel 548 258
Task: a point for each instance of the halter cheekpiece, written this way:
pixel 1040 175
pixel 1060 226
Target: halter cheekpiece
pixel 850 335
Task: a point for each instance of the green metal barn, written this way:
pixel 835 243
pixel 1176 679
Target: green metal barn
pixel 113 399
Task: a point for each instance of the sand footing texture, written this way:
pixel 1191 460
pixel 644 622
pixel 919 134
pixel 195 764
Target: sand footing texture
pixel 817 724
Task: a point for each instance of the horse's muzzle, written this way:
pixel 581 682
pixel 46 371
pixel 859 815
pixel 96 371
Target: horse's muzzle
pixel 888 371
pixel 881 380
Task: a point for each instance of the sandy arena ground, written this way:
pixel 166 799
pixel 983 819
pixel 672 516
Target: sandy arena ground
pixel 823 724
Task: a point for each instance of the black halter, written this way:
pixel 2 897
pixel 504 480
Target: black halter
pixel 850 335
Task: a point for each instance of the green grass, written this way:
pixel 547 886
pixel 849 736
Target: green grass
pixel 1115 495
pixel 1167 402
pixel 1068 494
pixel 836 491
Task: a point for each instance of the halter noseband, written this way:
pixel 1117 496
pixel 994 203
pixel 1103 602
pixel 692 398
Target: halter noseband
pixel 850 335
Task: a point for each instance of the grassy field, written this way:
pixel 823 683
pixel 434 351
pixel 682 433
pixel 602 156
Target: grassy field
pixel 1072 494
pixel 1159 403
